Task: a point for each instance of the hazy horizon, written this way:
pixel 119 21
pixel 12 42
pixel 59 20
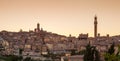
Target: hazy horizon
pixel 61 16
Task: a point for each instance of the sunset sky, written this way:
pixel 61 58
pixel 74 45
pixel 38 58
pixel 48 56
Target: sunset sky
pixel 61 16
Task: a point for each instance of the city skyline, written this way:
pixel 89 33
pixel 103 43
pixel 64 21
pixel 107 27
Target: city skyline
pixel 61 16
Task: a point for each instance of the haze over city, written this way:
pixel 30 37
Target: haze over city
pixel 61 16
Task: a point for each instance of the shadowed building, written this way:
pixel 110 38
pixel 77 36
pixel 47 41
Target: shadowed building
pixel 83 36
pixel 38 28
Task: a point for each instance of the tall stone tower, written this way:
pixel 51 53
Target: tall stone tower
pixel 38 27
pixel 95 26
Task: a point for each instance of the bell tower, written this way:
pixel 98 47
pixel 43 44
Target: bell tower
pixel 38 27
pixel 95 26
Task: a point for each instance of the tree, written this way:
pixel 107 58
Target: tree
pixel 87 55
pixel 118 53
pixel 81 52
pixel 91 54
pixel 66 59
pixel 97 55
pixel 12 58
pixel 73 52
pixel 110 55
pixel 27 59
pixel 111 49
pixel 20 51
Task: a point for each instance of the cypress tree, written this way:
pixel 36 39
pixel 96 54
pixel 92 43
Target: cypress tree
pixel 111 49
pixel 91 54
pixel 97 56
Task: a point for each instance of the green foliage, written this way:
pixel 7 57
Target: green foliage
pixel 73 52
pixel 118 53
pixel 81 52
pixel 20 51
pixel 11 58
pixel 91 54
pixel 27 59
pixel 66 59
pixel 97 56
pixel 111 49
pixel 88 54
pixel 110 55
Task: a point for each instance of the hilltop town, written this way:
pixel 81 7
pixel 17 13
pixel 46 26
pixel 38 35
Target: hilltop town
pixel 39 43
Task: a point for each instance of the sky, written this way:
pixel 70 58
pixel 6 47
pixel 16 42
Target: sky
pixel 61 16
